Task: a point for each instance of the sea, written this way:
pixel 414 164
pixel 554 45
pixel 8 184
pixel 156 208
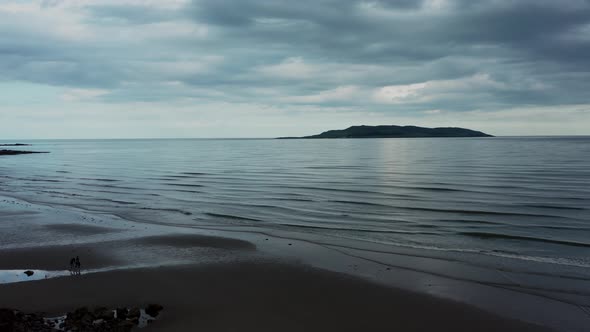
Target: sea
pixel 515 204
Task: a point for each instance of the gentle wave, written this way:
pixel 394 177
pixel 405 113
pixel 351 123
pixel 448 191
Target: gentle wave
pixel 184 185
pixel 555 207
pixel 111 186
pixel 476 212
pixel 229 216
pixel 360 203
pixel 485 235
pixel 186 213
pixel 100 180
pixel 355 229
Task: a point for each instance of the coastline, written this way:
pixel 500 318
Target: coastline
pixel 255 297
pixel 4 152
pixel 244 273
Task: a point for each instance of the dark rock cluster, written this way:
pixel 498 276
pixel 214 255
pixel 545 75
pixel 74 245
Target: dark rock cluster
pixel 16 321
pixel 82 319
pixel 153 309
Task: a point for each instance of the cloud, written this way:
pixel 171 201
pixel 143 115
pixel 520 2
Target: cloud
pixel 291 68
pixel 387 59
pixel 433 111
pixel 399 93
pixel 433 90
pixel 72 95
pixel 339 94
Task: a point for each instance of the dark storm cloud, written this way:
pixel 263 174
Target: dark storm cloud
pixel 343 26
pixel 527 39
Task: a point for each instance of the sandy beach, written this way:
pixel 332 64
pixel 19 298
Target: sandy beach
pixel 242 295
pixel 244 279
pixel 211 283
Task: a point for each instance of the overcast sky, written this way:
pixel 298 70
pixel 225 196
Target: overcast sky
pixel 264 68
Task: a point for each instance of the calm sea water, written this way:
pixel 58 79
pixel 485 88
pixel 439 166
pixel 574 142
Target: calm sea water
pixel 523 199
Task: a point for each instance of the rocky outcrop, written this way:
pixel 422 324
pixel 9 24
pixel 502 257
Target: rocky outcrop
pixel 153 309
pixel 16 321
pixel 82 319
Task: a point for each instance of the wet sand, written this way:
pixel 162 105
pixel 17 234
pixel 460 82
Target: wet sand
pixel 56 257
pixel 250 293
pixel 207 282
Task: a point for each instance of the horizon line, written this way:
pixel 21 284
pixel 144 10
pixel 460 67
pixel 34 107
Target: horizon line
pixel 251 138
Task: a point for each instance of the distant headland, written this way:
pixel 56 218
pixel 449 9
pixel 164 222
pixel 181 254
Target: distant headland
pixel 16 152
pixel 395 131
pixel 5 152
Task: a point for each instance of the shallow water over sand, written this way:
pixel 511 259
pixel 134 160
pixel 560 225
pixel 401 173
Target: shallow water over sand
pixel 12 276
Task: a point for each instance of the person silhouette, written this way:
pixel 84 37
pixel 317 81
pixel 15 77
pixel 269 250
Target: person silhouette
pixel 78 264
pixel 72 263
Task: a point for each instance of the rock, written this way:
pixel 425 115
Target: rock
pixel 7 319
pixel 134 313
pixel 82 319
pixel 78 313
pixel 87 319
pixel 124 326
pixel 79 320
pixel 13 320
pixel 103 313
pixel 98 322
pixel 153 309
pixel 121 313
pixel 29 273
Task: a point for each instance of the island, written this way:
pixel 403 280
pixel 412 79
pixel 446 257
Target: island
pixel 395 132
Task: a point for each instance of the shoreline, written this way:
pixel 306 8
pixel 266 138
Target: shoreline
pixel 261 296
pixel 191 250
